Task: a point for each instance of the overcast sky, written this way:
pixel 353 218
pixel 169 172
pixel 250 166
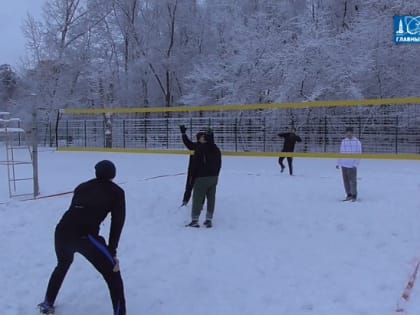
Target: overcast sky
pixel 12 15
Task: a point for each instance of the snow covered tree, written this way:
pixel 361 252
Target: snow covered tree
pixel 8 84
pixel 130 53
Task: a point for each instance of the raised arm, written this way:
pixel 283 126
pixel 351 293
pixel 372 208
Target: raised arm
pixel 187 142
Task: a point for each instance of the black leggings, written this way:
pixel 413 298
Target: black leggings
pixel 94 249
pixel 289 162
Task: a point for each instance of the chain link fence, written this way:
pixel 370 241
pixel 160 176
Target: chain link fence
pixel 382 129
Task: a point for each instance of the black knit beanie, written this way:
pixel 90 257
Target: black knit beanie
pixel 105 170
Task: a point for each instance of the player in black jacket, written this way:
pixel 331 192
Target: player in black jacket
pixel 290 139
pixel 206 164
pixel 192 146
pixel 78 231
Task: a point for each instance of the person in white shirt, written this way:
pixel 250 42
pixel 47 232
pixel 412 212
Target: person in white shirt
pixel 350 145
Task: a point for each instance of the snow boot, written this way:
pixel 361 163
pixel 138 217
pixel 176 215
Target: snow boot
pixel 208 223
pixel 46 308
pixel 348 198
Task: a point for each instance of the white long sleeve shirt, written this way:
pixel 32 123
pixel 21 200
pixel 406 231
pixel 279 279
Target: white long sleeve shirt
pixel 350 146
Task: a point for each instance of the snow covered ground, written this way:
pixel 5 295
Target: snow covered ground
pixel 280 244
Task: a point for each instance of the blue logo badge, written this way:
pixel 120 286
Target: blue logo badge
pixel 406 29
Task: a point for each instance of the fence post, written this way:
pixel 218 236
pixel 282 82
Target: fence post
pixel 35 153
pixel 19 133
pixel 50 135
pixel 85 131
pixel 67 133
pixel 396 134
pixel 103 133
pixel 108 130
pixel 325 134
pixel 124 133
pixel 264 135
pixel 236 134
pixel 191 131
pixel 145 133
pixel 167 133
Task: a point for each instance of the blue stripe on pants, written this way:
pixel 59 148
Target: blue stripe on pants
pixel 102 248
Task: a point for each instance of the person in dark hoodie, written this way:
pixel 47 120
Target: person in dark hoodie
pixel 78 231
pixel 206 165
pixel 290 139
pixel 192 146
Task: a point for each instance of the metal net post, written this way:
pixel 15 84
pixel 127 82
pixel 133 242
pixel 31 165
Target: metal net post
pixel 35 153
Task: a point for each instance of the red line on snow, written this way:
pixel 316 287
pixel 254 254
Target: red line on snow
pixel 160 176
pixel 408 288
pixel 52 195
pixel 121 183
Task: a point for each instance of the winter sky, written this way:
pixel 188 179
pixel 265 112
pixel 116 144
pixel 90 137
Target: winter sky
pixel 12 15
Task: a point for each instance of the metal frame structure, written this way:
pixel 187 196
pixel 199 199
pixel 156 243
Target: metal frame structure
pixel 18 155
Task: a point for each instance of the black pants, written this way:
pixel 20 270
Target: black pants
pixel 94 249
pixel 289 162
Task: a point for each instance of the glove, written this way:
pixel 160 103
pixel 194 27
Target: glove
pixel 117 265
pixel 182 128
pixel 337 167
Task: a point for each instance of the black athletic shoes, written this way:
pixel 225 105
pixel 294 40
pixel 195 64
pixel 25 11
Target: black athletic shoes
pixel 193 223
pixel 46 308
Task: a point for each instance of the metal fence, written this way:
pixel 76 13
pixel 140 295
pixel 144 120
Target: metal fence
pixel 383 129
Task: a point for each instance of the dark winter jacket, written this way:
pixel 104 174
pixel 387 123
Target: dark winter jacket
pixel 91 203
pixel 290 139
pixel 207 160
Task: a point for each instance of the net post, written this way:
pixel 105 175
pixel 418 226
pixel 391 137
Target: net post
pixel 35 153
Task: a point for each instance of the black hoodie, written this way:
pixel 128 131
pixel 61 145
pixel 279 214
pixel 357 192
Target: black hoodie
pixel 207 159
pixel 91 203
pixel 290 139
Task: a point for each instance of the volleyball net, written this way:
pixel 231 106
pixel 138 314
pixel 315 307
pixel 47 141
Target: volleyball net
pixel 387 128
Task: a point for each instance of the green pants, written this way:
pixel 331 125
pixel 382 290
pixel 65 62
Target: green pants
pixel 204 187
